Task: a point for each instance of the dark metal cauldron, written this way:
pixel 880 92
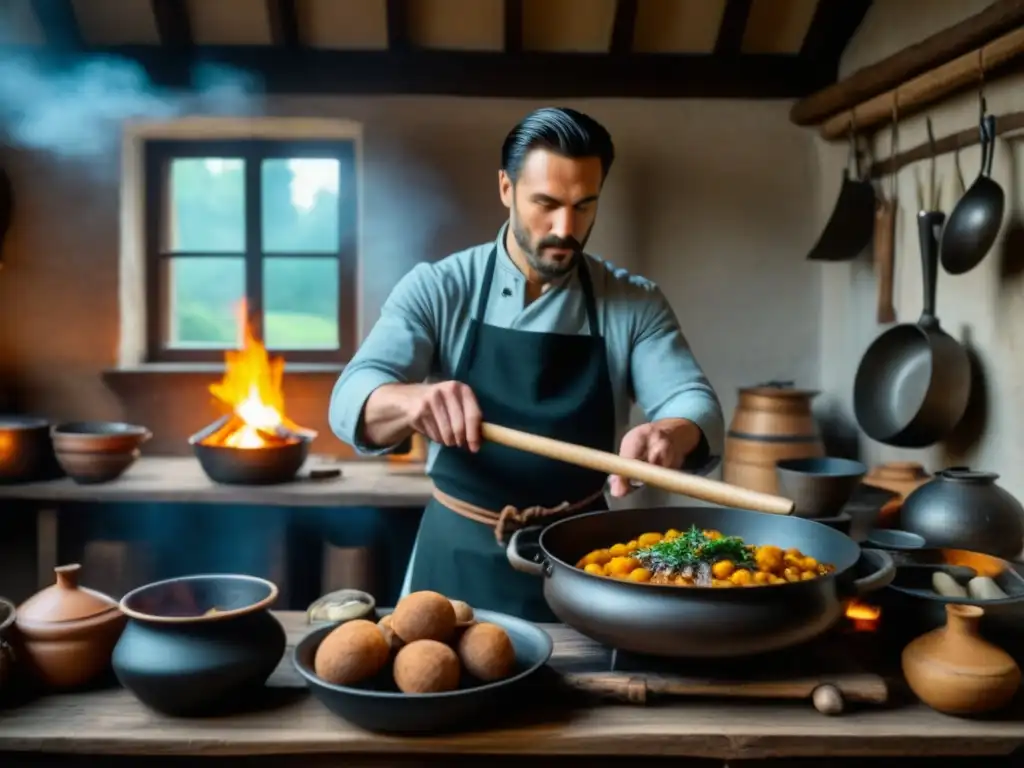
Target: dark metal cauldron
pixel 662 620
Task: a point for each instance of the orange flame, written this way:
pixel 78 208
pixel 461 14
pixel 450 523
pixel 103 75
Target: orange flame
pixel 864 617
pixel 252 388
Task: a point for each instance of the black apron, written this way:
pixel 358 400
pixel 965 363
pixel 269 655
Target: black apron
pixel 550 384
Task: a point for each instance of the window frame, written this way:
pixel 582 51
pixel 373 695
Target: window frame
pixel 158 153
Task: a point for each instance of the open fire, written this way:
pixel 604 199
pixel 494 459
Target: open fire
pixel 252 388
pixel 254 443
pixel 863 617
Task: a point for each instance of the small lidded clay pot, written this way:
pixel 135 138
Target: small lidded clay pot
pixel 68 632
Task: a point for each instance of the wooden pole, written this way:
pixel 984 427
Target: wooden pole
pixel 996 20
pixel 924 90
pixel 1014 121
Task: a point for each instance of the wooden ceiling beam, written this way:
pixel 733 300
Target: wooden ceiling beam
pixel 284 23
pixel 996 20
pixel 734 26
pixel 172 23
pixel 832 26
pixel 398 26
pixel 624 27
pixel 59 24
pixel 513 26
pixel 475 73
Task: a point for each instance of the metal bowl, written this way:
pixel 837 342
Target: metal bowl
pixel 380 706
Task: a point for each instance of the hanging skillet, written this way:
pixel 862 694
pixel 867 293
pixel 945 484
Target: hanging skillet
pixel 974 225
pixel 913 383
pixel 852 224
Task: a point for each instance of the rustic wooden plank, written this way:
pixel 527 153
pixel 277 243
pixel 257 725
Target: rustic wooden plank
pixel 111 722
pixel 181 479
pixel 996 20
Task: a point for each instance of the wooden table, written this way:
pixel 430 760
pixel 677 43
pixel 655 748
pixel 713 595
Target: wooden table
pixel 112 722
pixel 182 480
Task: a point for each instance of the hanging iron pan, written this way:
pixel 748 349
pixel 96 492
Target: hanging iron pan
pixel 852 225
pixel 974 225
pixel 913 383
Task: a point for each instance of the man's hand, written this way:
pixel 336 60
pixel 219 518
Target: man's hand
pixel 666 443
pixel 447 413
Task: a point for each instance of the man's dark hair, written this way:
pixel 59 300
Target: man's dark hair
pixel 563 131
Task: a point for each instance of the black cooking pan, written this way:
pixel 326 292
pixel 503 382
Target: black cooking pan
pixel 852 224
pixel 701 622
pixel 913 383
pixel 974 225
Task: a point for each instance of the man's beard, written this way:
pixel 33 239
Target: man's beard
pixel 546 269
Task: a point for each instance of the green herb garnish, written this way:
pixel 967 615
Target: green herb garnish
pixel 693 549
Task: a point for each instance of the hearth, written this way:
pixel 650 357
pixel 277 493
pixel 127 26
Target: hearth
pixel 255 443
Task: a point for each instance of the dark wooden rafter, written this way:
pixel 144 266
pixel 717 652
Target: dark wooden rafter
pixel 539 75
pixel 284 23
pixel 832 26
pixel 624 27
pixel 172 23
pixel 734 26
pixel 398 26
pixel 513 26
pixel 59 24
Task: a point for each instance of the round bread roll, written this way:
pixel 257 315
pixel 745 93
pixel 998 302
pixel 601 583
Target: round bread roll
pixel 351 653
pixel 486 651
pixel 426 666
pixel 424 616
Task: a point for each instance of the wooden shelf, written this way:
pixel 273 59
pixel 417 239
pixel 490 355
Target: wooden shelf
pixel 182 480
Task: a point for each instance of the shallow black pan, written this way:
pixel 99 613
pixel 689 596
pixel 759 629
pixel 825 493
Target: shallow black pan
pixel 914 381
pixel 380 706
pixel 672 621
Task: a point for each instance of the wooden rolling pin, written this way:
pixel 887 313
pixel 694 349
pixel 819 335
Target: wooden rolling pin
pixel 828 693
pixel 671 480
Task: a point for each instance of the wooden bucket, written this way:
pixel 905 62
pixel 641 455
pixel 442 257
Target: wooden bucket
pixel 771 422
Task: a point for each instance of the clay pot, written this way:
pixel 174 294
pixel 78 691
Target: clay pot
pixel 954 670
pixel 68 632
pixel 963 509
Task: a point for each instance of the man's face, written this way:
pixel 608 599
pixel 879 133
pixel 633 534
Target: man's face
pixel 552 208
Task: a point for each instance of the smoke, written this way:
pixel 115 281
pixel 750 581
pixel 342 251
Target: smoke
pixel 76 111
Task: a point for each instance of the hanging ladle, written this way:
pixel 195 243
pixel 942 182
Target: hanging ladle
pixel 974 224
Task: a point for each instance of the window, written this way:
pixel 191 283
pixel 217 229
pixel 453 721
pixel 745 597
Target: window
pixel 265 224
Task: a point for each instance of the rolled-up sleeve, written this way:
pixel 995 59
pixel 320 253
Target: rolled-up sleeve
pixel 398 350
pixel 668 382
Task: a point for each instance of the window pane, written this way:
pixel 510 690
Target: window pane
pixel 207 210
pixel 300 303
pixel 204 298
pixel 300 205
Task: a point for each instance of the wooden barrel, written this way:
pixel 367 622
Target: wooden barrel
pixel 771 422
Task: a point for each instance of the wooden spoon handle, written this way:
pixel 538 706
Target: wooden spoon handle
pixel 885 236
pixel 670 480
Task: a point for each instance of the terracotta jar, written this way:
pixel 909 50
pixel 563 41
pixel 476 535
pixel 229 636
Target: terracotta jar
pixel 68 632
pixel 902 477
pixel 954 670
pixel 771 422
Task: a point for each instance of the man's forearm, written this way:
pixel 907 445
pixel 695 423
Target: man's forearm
pixel 386 419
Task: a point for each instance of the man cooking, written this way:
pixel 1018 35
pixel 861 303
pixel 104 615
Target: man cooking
pixel 531 333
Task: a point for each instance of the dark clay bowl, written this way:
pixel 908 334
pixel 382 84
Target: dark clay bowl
pixel 98 437
pixel 819 487
pixel 380 706
pixel 179 660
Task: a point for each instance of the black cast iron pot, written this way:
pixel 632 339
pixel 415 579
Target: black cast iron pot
pixel 664 620
pixel 270 465
pixel 26 450
pixel 199 645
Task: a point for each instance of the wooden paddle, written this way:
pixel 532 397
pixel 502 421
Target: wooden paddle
pixel 673 481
